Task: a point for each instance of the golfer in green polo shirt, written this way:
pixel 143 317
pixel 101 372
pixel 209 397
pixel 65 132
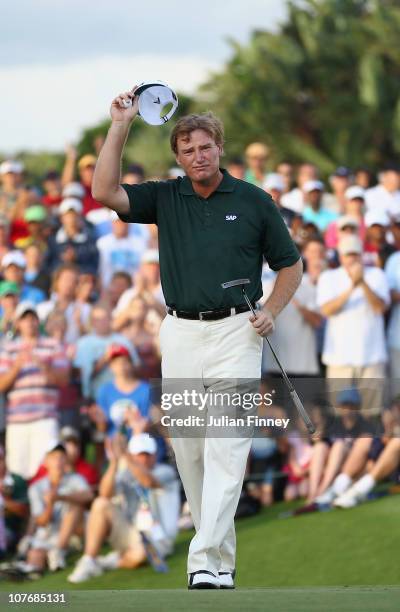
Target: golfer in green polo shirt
pixel 212 228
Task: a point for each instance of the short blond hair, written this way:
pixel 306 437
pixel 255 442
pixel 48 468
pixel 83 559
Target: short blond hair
pixel 206 121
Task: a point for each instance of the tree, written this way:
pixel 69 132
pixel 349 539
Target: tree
pixel 324 88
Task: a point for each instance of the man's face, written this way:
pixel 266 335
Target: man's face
pixel 11 180
pixel 391 180
pixel 67 283
pixel 70 221
pixel 28 325
pixel 56 463
pixel 101 322
pixel 307 172
pixel 120 229
pixel 86 175
pixel 376 233
pixel 14 274
pixel 121 366
pixel 145 459
pixel 9 302
pixel 314 251
pixel 286 172
pixel 198 155
pixel 347 261
pixel 314 198
pixel 354 207
pixel 340 184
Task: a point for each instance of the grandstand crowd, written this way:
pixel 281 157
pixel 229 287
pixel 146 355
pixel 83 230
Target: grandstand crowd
pixel 85 464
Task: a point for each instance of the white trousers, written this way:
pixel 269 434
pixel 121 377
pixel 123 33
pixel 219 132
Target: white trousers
pixel 27 444
pixel 211 468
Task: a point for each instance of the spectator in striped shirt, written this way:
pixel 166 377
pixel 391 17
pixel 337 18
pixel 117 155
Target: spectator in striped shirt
pixel 32 369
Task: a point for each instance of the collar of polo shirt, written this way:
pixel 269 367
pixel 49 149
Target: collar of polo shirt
pixel 227 185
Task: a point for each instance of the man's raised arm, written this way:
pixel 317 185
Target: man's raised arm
pixel 106 186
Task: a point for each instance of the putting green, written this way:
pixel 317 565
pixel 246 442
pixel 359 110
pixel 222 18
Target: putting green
pixel 351 599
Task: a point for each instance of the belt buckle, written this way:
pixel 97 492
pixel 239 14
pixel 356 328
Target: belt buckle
pixel 202 313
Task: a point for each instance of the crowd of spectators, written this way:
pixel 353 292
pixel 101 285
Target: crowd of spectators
pixel 83 458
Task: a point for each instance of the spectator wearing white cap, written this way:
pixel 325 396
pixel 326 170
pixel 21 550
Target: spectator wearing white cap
pixel 385 197
pixel 135 495
pixel 294 199
pixel 353 209
pixel 354 300
pixel 32 370
pixel 75 241
pixel 274 185
pixel 13 267
pixel 314 211
pixel 119 250
pixel 392 271
pixel 376 247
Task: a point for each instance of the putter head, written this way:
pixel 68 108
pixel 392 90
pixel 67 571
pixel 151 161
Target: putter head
pixel 235 283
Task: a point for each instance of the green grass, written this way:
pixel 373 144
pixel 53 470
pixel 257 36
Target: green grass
pixel 296 558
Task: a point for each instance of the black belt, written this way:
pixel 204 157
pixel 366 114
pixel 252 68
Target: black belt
pixel 209 315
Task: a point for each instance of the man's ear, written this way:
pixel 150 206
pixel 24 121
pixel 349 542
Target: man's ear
pixel 177 160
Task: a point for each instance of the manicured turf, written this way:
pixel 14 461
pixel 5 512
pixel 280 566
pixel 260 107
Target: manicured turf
pixel 333 599
pixel 331 549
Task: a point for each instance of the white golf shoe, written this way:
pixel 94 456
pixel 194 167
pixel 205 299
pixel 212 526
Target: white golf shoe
pixel 85 569
pixel 326 498
pixel 349 499
pixel 226 580
pixel 203 579
pixel 56 559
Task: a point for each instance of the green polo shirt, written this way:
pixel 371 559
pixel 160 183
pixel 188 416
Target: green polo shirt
pixel 204 242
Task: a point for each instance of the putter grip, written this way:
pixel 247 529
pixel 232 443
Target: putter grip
pixel 302 411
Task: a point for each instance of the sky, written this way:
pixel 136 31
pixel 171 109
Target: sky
pixel 63 61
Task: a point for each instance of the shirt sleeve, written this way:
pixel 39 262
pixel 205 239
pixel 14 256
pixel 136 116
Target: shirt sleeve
pixel 392 272
pixel 35 500
pixel 325 289
pixel 379 284
pixel 278 247
pixel 142 203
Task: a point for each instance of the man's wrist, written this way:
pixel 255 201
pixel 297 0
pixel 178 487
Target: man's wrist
pixel 270 310
pixel 118 126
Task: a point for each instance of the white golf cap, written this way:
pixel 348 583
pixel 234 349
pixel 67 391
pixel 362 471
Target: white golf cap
pixel 11 165
pixel 15 258
pixel 376 217
pixel 355 192
pixel 347 221
pixel 70 204
pixel 150 256
pixel 23 308
pixel 273 181
pixel 73 190
pixel 154 96
pixel 313 186
pixel 142 443
pixel 350 244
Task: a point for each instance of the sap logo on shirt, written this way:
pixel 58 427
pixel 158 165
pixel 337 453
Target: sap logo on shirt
pixel 230 217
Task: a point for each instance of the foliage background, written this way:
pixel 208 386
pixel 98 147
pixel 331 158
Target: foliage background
pixel 324 88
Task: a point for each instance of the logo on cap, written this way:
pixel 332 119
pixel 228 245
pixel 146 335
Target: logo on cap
pixel 230 217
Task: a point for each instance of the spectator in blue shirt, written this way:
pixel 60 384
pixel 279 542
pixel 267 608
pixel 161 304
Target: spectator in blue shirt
pixel 314 211
pixel 126 397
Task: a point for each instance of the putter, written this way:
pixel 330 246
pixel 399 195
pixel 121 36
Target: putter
pixel 241 282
